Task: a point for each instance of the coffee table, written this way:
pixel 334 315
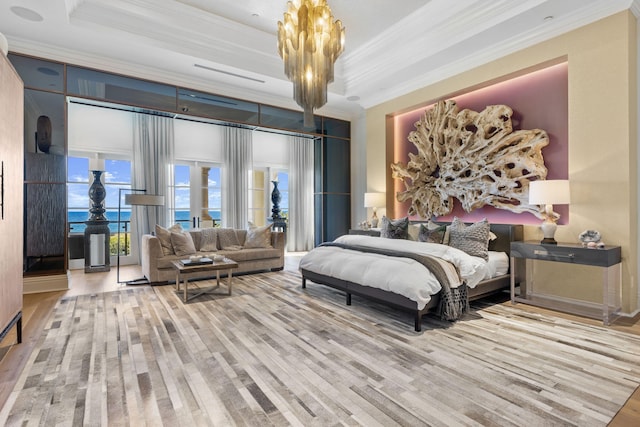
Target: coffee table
pixel 183 271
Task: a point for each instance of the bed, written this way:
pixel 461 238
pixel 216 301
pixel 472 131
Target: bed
pixel 326 265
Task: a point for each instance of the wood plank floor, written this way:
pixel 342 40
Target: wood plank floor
pixel 38 307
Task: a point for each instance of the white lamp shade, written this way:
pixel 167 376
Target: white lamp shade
pixel 143 200
pixel 549 192
pixel 374 200
pixel 96 164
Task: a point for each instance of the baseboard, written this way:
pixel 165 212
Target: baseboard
pixel 50 283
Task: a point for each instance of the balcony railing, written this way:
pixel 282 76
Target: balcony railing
pixel 77 227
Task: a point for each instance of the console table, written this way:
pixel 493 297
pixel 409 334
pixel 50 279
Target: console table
pixel 608 259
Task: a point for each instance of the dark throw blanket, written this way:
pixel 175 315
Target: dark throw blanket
pixel 454 302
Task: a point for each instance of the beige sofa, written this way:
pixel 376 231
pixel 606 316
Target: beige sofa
pixel 156 266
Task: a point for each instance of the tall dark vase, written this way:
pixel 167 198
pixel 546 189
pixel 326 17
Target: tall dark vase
pixel 97 194
pixel 96 232
pixel 275 199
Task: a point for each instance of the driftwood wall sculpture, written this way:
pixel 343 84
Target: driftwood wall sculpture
pixel 474 157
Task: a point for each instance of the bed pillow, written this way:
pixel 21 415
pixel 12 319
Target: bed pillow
pixel 258 237
pixel 432 235
pixel 164 235
pixel 472 239
pixel 183 243
pixel 394 229
pixel 208 240
pixel 414 229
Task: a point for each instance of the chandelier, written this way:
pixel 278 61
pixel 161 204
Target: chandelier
pixel 309 42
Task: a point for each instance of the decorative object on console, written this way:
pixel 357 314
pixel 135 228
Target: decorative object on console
pixel 375 201
pixel 591 239
pixel 134 200
pixel 549 193
pixel 475 157
pixel 43 134
pixel 278 221
pixel 309 42
pixel 394 229
pixel 96 233
pixel 364 225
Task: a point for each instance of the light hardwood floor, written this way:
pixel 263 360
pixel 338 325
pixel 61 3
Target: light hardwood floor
pixel 37 308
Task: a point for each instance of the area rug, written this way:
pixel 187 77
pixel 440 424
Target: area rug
pixel 276 354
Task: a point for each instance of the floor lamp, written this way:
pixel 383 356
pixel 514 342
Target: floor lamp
pixel 134 200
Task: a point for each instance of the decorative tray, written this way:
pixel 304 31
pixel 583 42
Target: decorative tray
pixel 201 261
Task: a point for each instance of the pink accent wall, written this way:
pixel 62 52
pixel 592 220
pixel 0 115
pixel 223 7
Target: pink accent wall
pixel 539 100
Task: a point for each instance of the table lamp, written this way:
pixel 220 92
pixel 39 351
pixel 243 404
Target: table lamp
pixel 549 193
pixel 375 201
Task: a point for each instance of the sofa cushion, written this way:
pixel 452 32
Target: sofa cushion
pixel 208 240
pixel 251 254
pixel 183 243
pixel 258 237
pixel 164 235
pixel 228 239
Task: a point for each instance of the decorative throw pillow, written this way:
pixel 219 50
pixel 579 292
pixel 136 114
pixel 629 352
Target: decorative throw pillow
pixel 414 229
pixel 228 239
pixel 473 239
pixel 258 237
pixel 208 240
pixel 164 235
pixel 183 243
pixel 432 235
pixel 394 229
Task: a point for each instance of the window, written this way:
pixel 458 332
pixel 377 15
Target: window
pixel 117 175
pixel 283 187
pixel 182 196
pixel 77 193
pixel 257 197
pixel 261 191
pixel 197 194
pixel 214 194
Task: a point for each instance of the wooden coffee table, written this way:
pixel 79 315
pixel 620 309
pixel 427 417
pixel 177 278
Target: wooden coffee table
pixel 183 271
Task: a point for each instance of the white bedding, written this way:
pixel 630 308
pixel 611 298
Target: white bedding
pixel 403 276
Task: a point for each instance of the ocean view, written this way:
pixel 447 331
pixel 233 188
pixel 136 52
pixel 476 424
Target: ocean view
pixel 78 217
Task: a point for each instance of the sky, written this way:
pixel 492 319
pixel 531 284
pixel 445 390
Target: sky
pixel 118 175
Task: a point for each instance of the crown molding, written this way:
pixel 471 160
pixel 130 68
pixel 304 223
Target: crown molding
pixel 534 36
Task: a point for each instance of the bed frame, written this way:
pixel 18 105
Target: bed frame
pixel 506 233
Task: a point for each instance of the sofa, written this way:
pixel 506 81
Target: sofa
pixel 255 249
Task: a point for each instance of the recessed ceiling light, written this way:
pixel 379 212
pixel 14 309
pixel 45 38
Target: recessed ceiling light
pixel 255 15
pixel 353 98
pixel 28 14
pixel 548 18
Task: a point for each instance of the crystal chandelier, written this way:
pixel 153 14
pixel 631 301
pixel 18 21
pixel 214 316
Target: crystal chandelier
pixel 309 42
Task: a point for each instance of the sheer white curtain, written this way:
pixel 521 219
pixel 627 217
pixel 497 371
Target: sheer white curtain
pixel 237 148
pixel 301 224
pixel 152 170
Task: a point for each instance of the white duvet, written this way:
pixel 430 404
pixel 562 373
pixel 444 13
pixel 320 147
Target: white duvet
pixel 403 276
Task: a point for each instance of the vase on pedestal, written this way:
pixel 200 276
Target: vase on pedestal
pixel 275 199
pixel 97 194
pixel 97 233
